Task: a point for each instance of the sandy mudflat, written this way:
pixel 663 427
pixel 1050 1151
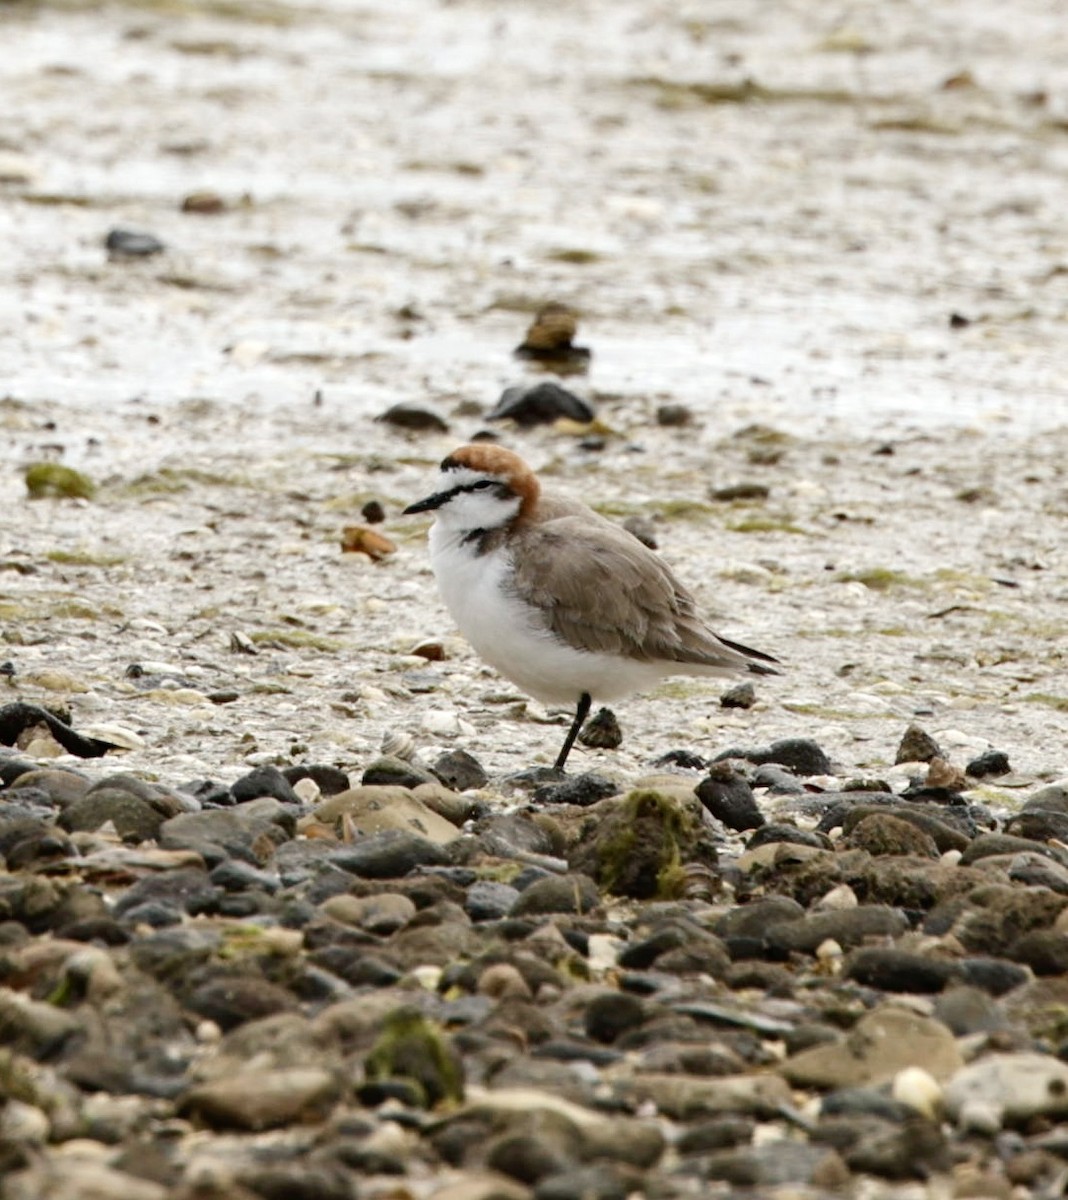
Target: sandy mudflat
pixel 769 217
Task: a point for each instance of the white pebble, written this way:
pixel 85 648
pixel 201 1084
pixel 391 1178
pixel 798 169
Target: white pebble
pixel 441 722
pixel 117 735
pixel 17 168
pixel 981 1116
pixel 249 352
pixel 838 899
pixel 144 625
pixel 22 1124
pixel 428 977
pixel 603 951
pixel 919 1090
pixel 308 790
pixel 829 954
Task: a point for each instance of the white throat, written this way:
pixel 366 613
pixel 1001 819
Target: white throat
pixel 471 513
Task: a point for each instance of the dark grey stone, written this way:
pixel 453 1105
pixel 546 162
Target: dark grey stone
pixel 489 901
pixel 460 771
pixel 540 404
pixel 729 798
pixel 389 855
pixel 264 781
pixel 580 790
pixel 557 894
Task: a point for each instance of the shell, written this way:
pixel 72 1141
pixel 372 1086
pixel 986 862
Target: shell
pixel 120 736
pixel 396 744
pixel 699 882
pixel 365 540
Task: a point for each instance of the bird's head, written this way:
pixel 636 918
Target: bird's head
pixel 481 487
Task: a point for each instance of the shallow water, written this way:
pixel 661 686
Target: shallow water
pixel 887 168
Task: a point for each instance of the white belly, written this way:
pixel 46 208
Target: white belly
pixel 513 638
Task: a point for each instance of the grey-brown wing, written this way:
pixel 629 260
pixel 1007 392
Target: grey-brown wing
pixel 603 591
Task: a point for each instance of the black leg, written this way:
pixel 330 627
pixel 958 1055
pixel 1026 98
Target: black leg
pixel 581 713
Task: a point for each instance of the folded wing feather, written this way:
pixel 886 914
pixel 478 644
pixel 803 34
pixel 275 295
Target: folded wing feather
pixel 604 591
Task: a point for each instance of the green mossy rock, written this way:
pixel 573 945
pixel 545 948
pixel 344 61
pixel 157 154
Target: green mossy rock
pixel 413 1049
pixel 639 845
pixel 44 480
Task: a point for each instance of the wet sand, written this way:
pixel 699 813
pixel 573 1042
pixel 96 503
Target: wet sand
pixel 771 221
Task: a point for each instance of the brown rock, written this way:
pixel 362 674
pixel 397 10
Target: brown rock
pixel 881 1043
pixel 373 808
pixel 262 1099
pixel 884 834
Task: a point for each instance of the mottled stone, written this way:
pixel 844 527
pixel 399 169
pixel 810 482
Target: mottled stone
pixel 882 1043
pixel 262 1099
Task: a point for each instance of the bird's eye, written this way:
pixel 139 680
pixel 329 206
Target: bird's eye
pixel 482 484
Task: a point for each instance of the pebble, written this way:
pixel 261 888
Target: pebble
pixel 540 404
pixel 881 1044
pixel 328 780
pixel 263 781
pixel 413 418
pixel 557 894
pixel 549 340
pixel 444 723
pixel 230 1001
pixel 460 771
pixel 204 202
pixel 134 820
pixel 645 531
pixel 884 833
pixel 741 695
pixel 339 970
pixel 487 900
pixel 130 243
pixel 1019 1086
pixel 391 854
pixel 893 970
pixel 601 731
pixel 262 1099
pixel 917 745
pixel 581 790
pixel 802 756
pixel 847 926
pixel 674 416
pixel 399 772
pixel 383 914
pixel 916 1088
pixel 613 1014
pixel 373 512
pixel 641 841
pixel 17 168
pixel 373 809
pixel 729 798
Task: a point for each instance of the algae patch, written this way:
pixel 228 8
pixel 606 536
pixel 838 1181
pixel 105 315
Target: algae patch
pixel 46 480
pixel 879 579
pixel 295 639
pixel 1060 703
pixel 639 849
pixel 84 558
pixel 413 1050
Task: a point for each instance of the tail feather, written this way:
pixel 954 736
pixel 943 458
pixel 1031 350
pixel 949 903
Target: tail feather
pixel 757 667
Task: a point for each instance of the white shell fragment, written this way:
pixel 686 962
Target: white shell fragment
pixel 118 735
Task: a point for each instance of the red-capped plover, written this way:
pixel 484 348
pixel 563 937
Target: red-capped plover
pixel 566 605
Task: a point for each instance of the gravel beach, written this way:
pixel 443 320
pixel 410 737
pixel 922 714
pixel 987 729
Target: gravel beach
pixel 291 905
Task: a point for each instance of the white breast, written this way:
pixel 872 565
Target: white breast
pixel 512 636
